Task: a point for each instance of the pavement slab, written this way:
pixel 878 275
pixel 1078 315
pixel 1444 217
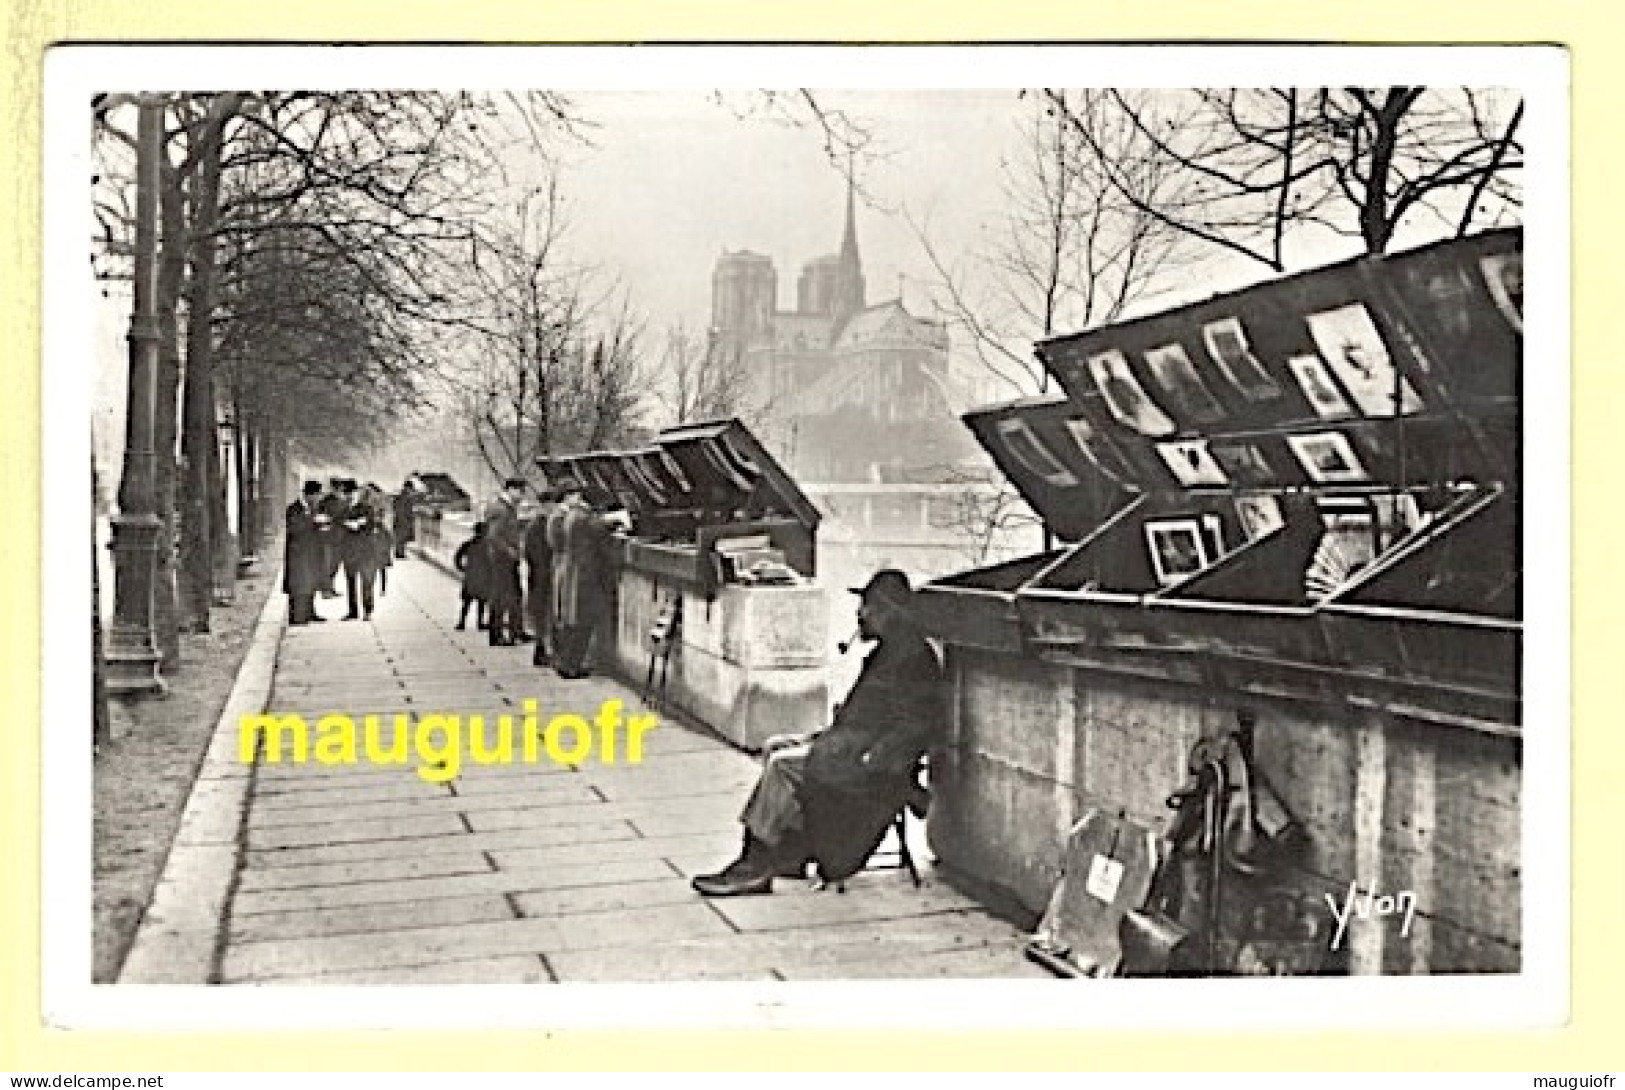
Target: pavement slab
pixel 522 873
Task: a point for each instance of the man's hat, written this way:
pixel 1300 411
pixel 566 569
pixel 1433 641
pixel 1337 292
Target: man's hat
pixel 515 482
pixel 888 586
pixel 312 488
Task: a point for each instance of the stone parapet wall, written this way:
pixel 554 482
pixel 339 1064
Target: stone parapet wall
pixel 749 663
pixel 1388 803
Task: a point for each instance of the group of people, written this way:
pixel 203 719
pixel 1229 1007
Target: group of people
pixel 341 525
pixel 568 587
pixel 825 799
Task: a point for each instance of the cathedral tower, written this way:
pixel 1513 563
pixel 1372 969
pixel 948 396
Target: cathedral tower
pixel 848 293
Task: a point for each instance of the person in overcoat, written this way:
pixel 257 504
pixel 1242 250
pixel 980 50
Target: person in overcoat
pixel 505 541
pixel 587 597
pixel 473 560
pixel 331 506
pixel 539 578
pixel 303 559
pixel 359 546
pixel 830 799
pixel 405 520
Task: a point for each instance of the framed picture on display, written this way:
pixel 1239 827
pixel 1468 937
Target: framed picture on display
pixel 1503 275
pixel 1318 388
pixel 1025 447
pixel 1177 549
pixel 645 481
pixel 1227 343
pixel 1094 449
pixel 1259 516
pixel 1192 465
pixel 674 470
pixel 1126 398
pixel 1327 457
pixel 1177 376
pixel 1242 462
pixel 1351 344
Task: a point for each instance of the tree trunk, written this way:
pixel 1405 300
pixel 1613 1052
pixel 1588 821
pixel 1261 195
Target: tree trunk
pixel 248 516
pixel 100 730
pixel 171 268
pixel 198 438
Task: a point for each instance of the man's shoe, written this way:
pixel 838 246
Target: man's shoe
pixel 732 885
pixel 524 637
pixel 797 871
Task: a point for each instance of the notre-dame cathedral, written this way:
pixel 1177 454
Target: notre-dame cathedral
pixel 842 390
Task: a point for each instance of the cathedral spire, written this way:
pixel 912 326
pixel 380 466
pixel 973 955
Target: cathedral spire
pixel 849 292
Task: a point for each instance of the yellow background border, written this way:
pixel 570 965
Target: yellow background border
pixel 1591 1041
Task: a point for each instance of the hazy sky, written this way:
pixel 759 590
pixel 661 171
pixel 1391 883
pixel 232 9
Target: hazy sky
pixel 674 178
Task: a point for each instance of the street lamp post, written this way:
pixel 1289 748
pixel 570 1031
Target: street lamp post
pixel 132 654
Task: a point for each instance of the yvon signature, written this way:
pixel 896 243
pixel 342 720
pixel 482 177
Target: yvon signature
pixel 1368 904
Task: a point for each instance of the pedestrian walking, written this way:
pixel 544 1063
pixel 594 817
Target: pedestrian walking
pixel 474 561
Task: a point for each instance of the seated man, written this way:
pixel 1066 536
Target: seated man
pixel 831 800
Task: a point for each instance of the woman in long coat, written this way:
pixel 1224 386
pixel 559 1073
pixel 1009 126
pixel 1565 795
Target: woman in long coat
pixel 587 595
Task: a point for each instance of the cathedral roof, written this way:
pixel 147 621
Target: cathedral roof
pixel 890 325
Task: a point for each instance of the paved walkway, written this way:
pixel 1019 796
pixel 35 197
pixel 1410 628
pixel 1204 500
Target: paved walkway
pixel 519 873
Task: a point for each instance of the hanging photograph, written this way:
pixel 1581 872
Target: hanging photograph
pixel 1242 462
pixel 645 481
pixel 1503 275
pixel 1126 398
pixel 1176 374
pixel 1397 515
pixel 674 470
pixel 1025 447
pixel 1192 465
pixel 721 459
pixel 1177 549
pixel 1349 341
pixel 1327 457
pixel 1213 535
pixel 1099 450
pixel 1318 387
pixel 1227 344
pixel 1260 516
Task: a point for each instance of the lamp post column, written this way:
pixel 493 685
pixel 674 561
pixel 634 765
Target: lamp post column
pixel 132 655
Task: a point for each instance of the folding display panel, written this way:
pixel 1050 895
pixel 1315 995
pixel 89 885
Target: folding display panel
pixel 1061 463
pixel 1315 478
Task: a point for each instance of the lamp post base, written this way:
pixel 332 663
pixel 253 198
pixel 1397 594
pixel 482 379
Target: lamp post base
pixel 132 654
pixel 132 670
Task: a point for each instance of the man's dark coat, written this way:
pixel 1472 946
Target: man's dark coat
pixel 860 770
pixel 303 568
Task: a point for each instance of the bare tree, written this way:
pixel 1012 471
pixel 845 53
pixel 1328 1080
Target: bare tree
pixel 368 198
pixel 1247 170
pixel 1067 250
pixel 984 512
pixel 556 359
pixel 704 378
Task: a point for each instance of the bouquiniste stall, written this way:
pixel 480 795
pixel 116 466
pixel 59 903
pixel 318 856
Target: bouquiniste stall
pixel 1291 527
pixel 716 610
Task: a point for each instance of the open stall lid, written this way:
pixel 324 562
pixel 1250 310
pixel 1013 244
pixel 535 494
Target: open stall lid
pixel 715 471
pixel 1063 466
pixel 725 469
pixel 1394 372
